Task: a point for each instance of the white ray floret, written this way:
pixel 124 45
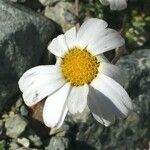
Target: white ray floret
pixel 115 4
pixel 82 76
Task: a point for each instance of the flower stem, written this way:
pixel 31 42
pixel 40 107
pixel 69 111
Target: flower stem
pixel 77 12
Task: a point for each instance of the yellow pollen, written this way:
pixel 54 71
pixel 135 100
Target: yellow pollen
pixel 79 67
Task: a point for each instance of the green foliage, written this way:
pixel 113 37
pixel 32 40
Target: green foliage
pixel 2 145
pixel 93 9
pixel 133 22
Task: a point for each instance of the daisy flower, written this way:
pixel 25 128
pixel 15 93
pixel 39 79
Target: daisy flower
pixel 115 4
pixel 81 77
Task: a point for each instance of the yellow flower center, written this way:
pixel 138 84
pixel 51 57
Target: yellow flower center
pixel 79 66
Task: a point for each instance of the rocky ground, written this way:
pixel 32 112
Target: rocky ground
pixel 24 35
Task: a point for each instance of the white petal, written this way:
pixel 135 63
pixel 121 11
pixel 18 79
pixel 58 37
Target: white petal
pixel 108 39
pixel 115 93
pixel 77 99
pixel 33 73
pixel 118 4
pixel 100 108
pixel 39 82
pixel 70 36
pixel 58 46
pixel 103 121
pixel 55 108
pixel 90 30
pixel 113 72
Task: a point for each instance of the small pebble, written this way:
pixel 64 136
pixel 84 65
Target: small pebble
pixel 24 142
pixel 23 111
pixel 15 126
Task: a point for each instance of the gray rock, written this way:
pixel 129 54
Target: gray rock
pixel 15 126
pixel 88 135
pixel 24 142
pixel 13 145
pixel 132 133
pixel 24 36
pixel 63 13
pixel 135 64
pixel 19 1
pixel 48 2
pixel 34 138
pixel 58 143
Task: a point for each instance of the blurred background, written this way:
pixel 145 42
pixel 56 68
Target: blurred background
pixel 26 28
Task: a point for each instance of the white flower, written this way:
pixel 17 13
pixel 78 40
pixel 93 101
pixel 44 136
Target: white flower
pixel 115 4
pixel 82 76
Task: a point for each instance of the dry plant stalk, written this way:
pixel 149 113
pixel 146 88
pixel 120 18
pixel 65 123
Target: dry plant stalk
pixel 121 50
